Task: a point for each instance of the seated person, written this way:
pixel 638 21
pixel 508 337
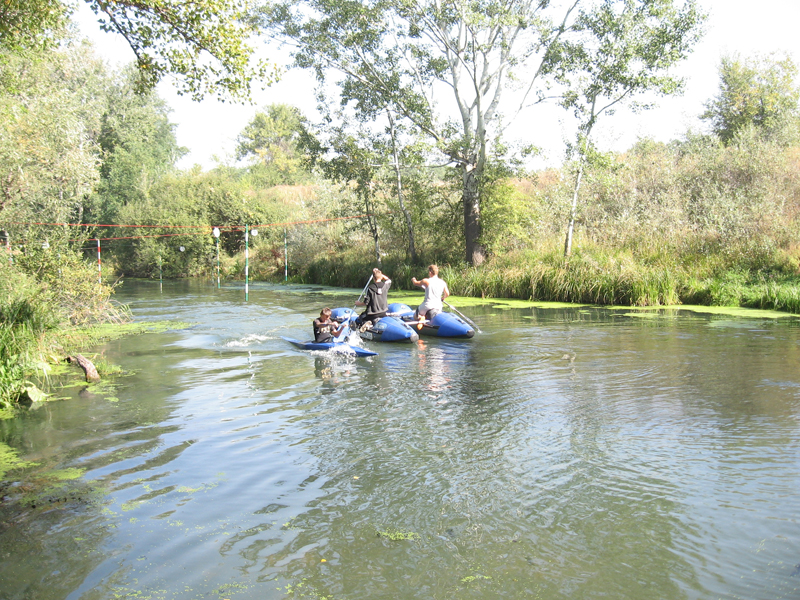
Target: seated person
pixel 325 328
pixel 376 299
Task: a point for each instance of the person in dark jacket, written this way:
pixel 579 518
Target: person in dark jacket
pixel 376 299
pixel 325 329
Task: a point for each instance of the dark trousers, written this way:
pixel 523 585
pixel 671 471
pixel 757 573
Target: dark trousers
pixel 364 317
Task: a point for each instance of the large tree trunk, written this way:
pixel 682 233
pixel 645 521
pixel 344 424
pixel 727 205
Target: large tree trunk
pixel 476 253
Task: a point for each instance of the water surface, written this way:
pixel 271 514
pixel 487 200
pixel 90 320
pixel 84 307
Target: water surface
pixel 563 453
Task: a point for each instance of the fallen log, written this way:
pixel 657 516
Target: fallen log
pixel 87 366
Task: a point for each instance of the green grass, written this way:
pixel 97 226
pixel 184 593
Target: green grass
pixel 592 275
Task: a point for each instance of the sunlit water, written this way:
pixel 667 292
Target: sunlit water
pixel 561 454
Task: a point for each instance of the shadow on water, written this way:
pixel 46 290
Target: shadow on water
pixel 566 452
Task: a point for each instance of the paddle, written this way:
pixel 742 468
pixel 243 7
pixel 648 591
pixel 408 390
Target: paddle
pixel 344 334
pixel 364 291
pixel 478 329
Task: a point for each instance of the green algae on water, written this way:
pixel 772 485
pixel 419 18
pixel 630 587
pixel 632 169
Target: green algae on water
pixel 9 460
pixel 112 331
pixel 397 535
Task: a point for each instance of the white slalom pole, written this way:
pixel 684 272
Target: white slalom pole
pixel 246 262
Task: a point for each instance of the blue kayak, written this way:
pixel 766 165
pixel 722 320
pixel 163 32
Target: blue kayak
pixel 342 347
pixel 444 324
pixel 385 329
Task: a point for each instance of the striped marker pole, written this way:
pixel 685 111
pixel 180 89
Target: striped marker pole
pixel 99 267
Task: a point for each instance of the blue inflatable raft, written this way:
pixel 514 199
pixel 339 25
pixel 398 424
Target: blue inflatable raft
pixel 385 329
pixel 444 324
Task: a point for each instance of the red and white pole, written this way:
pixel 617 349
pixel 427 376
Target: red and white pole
pixel 99 268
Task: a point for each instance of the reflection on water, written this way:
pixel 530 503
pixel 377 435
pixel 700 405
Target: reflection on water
pixel 563 453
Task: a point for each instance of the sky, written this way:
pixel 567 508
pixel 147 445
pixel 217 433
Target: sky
pixel 209 128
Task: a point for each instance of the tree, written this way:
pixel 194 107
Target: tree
pixel 49 110
pixel 357 154
pixel 137 147
pixel 352 160
pixel 270 141
pixel 204 42
pixel 412 249
pixel 443 65
pixel 29 24
pixel 637 43
pixel 756 91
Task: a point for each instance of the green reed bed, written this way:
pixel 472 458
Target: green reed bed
pixel 592 275
pixel 596 279
pixel 25 321
pixel 775 295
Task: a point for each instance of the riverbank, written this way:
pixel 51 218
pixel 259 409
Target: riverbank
pixel 600 278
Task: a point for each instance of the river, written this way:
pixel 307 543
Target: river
pixel 565 452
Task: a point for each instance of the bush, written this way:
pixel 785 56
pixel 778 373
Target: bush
pixel 42 295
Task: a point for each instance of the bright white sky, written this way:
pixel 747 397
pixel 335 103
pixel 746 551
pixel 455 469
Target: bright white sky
pixel 209 128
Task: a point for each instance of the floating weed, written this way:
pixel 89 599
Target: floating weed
pixel 59 487
pixel 303 589
pixel 124 593
pixel 184 489
pixel 471 578
pixel 187 490
pixel 104 388
pixel 9 460
pixel 58 367
pixel 227 589
pixel 107 369
pixel 397 535
pixel 112 331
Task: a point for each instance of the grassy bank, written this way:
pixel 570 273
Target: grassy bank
pixel 593 277
pixel 47 312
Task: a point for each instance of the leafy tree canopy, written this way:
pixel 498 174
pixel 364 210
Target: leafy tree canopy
pixel 30 24
pixel 205 43
pixel 50 107
pixel 757 91
pixel 137 146
pixel 270 141
pixel 448 66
